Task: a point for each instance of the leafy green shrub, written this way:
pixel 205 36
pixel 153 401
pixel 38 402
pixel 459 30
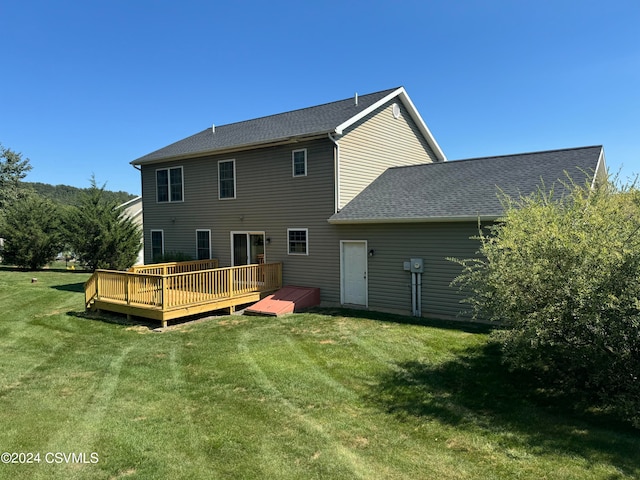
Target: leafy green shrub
pixel 564 279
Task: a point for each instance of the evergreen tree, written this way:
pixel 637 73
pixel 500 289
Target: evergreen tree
pixel 32 232
pixel 13 168
pixel 99 232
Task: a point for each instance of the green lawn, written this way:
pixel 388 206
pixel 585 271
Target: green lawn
pixel 319 395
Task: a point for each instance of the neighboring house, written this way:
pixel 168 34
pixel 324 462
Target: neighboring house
pixel 133 210
pixel 344 195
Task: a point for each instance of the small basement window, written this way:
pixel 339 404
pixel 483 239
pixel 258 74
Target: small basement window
pixel 203 244
pixel 298 241
pixel 157 245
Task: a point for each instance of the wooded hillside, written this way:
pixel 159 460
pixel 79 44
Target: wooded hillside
pixel 68 195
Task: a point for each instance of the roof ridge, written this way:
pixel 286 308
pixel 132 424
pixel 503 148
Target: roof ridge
pixel 388 90
pixel 473 159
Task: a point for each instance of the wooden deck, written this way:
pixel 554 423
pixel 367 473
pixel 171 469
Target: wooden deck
pixel 186 291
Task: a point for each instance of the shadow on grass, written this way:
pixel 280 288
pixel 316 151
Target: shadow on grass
pixel 460 325
pixel 13 268
pixel 70 287
pixel 475 393
pixel 134 321
pixel 115 318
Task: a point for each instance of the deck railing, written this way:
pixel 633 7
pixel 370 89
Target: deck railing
pixel 167 291
pixel 175 267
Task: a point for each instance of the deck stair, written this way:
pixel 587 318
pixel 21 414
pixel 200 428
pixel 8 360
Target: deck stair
pixel 288 299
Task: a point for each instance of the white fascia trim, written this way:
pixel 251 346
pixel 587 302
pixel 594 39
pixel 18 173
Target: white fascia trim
pixel 404 97
pixel 602 164
pixel 422 126
pixel 461 218
pixel 130 201
pixel 339 129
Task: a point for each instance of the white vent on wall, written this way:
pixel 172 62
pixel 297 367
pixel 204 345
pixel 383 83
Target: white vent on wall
pixel 395 109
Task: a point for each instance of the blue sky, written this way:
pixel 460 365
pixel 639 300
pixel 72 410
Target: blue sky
pixel 87 86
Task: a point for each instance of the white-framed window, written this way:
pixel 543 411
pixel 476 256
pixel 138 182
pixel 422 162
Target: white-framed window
pixel 203 244
pixel 157 245
pixel 226 179
pixel 298 241
pixel 299 162
pixel 169 185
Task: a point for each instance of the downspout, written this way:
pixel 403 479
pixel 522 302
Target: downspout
pixel 140 170
pixel 142 211
pixel 336 167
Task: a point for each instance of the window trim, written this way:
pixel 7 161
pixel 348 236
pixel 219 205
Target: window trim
pixel 306 243
pixel 233 161
pixel 208 231
pixel 152 231
pixel 168 170
pixel 293 162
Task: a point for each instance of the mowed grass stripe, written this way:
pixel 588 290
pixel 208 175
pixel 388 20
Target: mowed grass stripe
pixel 327 394
pixel 343 460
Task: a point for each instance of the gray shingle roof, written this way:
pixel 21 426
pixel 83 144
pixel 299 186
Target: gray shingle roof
pixel 311 121
pixel 465 189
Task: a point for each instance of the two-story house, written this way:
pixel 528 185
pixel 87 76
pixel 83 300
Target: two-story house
pixel 344 194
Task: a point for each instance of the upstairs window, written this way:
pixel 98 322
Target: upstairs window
pixel 169 184
pixel 298 241
pixel 226 179
pixel 299 162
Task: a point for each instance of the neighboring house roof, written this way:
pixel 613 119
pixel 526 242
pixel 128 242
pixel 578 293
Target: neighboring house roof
pixel 468 189
pixel 133 209
pixel 330 118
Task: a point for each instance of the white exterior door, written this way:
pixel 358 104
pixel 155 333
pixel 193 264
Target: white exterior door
pixel 353 272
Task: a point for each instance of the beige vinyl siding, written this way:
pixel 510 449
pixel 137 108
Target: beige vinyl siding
pixel 268 199
pixel 375 143
pixel 393 244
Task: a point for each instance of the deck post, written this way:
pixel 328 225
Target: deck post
pixel 163 300
pixel 230 282
pixel 279 275
pixel 127 291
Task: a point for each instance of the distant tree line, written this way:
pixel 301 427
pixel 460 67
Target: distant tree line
pixel 39 221
pixel 68 195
